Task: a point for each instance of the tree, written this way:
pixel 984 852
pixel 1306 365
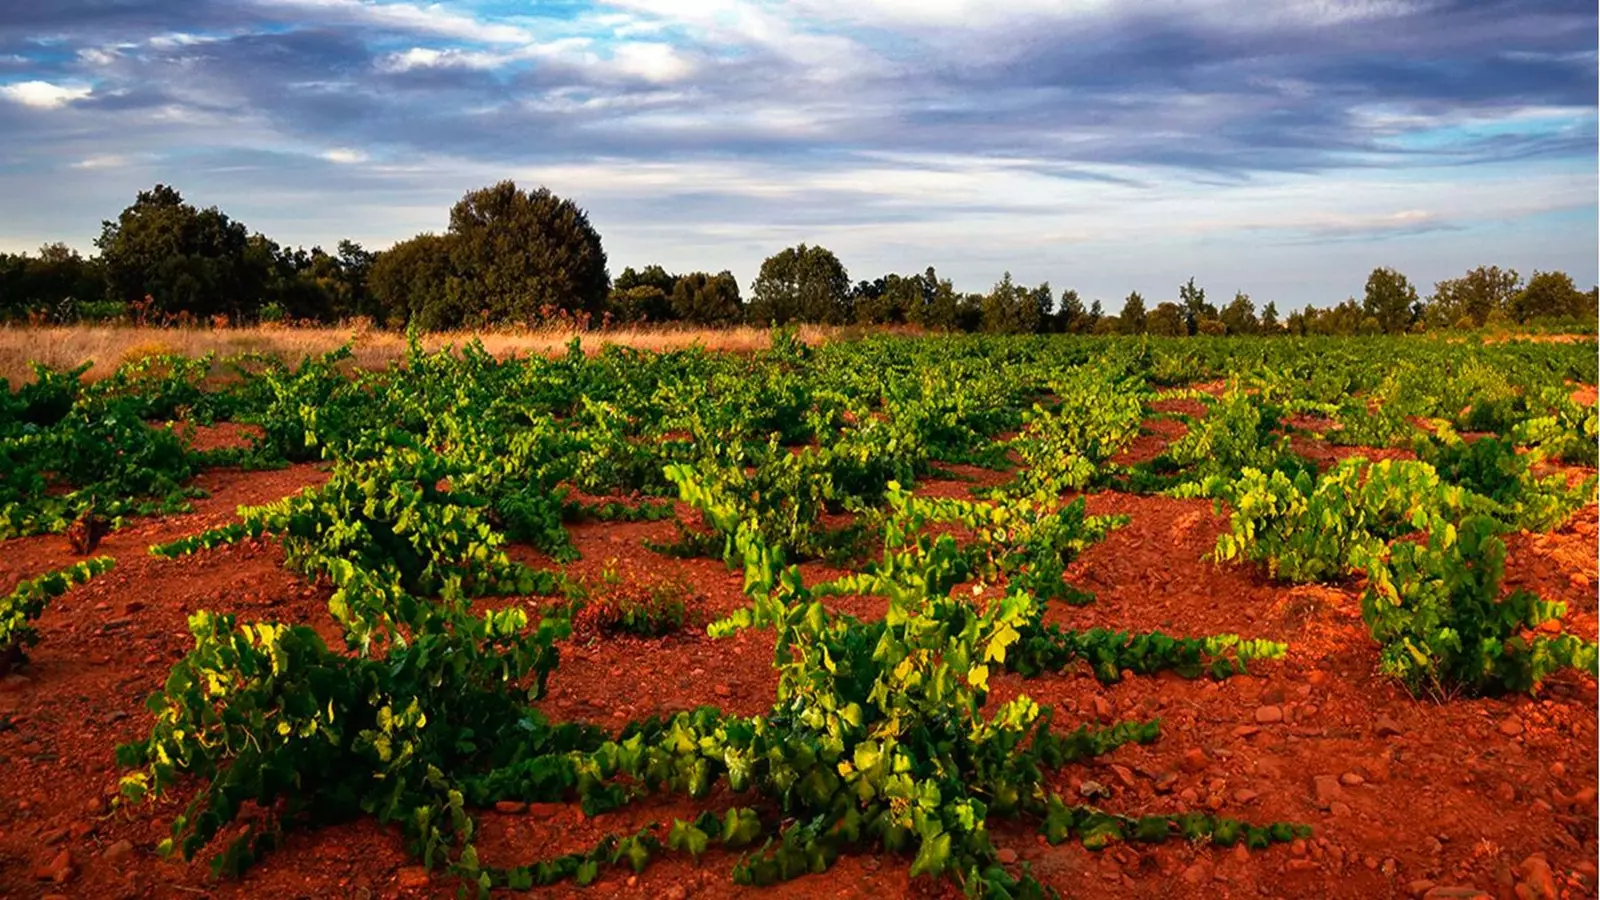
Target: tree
pixel 870 302
pixel 707 299
pixel 1269 319
pixel 935 308
pixel 1469 301
pixel 1097 314
pixel 186 260
pixel 1195 306
pixel 1389 300
pixel 58 283
pixel 1010 308
pixel 1132 315
pixel 1550 296
pixel 1240 315
pixel 799 284
pixel 1070 317
pixel 1166 320
pixel 409 283
pixel 523 256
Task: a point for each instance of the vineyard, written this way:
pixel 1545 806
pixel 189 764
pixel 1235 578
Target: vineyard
pixel 982 616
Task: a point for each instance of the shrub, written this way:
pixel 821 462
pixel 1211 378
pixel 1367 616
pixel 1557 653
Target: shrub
pixel 1436 609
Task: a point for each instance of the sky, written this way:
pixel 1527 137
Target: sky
pixel 1284 149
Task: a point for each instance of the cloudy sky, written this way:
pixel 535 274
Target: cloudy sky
pixel 1284 148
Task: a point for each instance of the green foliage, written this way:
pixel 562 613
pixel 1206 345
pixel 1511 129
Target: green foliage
pixel 799 284
pixel 27 602
pixel 1437 610
pixel 1323 529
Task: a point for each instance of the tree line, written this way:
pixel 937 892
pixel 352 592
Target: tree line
pixel 511 256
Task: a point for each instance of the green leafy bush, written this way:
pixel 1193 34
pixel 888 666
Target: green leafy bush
pixel 1437 609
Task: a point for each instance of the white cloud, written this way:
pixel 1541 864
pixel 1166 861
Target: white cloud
pixel 43 94
pixel 659 63
pixel 344 156
pixel 108 161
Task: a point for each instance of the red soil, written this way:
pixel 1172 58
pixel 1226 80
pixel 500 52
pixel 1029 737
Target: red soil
pixel 1412 791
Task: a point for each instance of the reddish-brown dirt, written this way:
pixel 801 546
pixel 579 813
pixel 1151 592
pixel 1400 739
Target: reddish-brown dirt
pixel 1405 794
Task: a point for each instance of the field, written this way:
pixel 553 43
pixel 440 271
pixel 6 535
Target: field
pixel 892 616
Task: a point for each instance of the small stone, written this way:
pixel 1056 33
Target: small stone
pixel 1505 792
pixel 1165 782
pixel 1093 789
pixel 1268 715
pixel 1351 779
pixel 1557 770
pixel 117 851
pixel 1537 877
pixel 1339 808
pixel 58 869
pixel 722 690
pixel 412 877
pixel 616 672
pixel 511 807
pixel 1244 795
pixel 1300 865
pixel 80 830
pixel 1195 760
pixel 1006 855
pixel 1326 789
pixel 1124 775
pixel 545 810
pixel 1198 873
pixel 1455 893
pixel 1102 708
pixel 1511 727
pixel 1244 731
pixel 1419 887
pixel 1387 727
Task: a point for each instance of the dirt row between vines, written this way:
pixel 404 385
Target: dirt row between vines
pixel 1406 796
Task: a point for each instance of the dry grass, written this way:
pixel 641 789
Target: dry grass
pixel 110 345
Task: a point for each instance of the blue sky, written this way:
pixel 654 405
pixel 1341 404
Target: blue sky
pixel 1280 148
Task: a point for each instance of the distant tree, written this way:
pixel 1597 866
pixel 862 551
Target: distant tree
pixel 642 296
pixel 705 299
pixel 1550 296
pixel 1470 301
pixel 931 301
pixel 1070 317
pixel 185 259
pixel 1133 315
pixel 355 267
pixel 1240 315
pixel 1269 319
pixel 409 283
pixel 871 303
pixel 1346 319
pixel 1044 301
pixel 521 255
pixel 58 283
pixel 969 311
pixel 1097 314
pixel 1166 320
pixel 1389 300
pixel 799 284
pixel 640 304
pixel 1010 308
pixel 1108 325
pixel 1195 307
